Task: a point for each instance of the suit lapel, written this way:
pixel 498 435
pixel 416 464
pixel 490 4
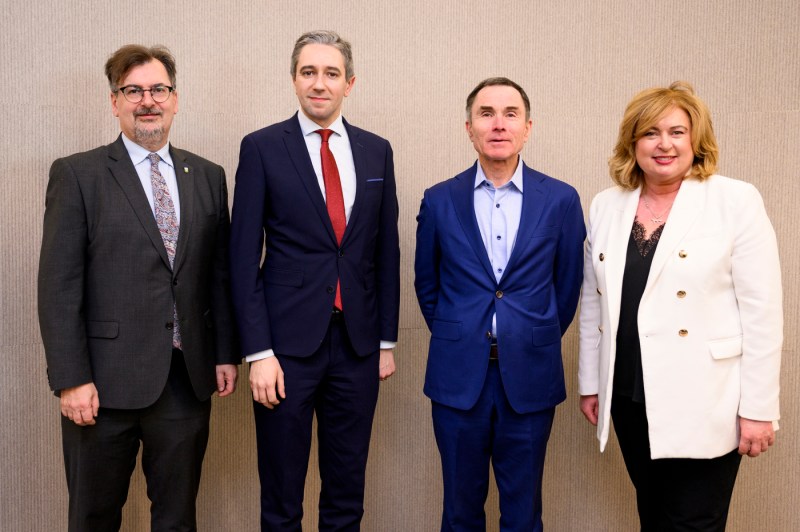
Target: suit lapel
pixel 684 214
pixel 298 153
pixel 125 174
pixel 185 174
pixel 533 200
pixel 463 195
pixel 359 152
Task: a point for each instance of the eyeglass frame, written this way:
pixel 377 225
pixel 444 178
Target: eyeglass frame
pixel 170 90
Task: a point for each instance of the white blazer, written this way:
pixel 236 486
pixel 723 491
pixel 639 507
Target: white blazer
pixel 710 317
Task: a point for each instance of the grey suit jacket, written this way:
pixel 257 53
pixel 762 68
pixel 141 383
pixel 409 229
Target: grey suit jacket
pixel 106 289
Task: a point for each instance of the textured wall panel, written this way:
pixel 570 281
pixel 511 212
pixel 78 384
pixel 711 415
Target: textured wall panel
pixel 415 63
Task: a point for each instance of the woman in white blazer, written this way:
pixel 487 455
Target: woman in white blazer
pixel 681 315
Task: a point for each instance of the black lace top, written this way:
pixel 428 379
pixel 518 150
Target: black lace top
pixel 628 365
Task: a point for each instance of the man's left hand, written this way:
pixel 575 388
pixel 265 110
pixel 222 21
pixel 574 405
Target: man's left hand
pixel 226 379
pixel 387 367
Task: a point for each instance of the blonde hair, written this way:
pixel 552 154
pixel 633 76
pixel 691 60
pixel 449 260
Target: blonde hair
pixel 643 112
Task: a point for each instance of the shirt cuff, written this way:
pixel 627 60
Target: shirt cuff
pixel 388 345
pixel 260 355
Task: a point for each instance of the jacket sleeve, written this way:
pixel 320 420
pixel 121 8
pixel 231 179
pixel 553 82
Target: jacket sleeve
pixel 246 245
pixel 226 345
pixel 568 266
pixel 426 262
pixel 589 321
pixel 387 258
pixel 756 276
pixel 62 263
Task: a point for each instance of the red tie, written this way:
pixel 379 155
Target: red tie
pixel 333 197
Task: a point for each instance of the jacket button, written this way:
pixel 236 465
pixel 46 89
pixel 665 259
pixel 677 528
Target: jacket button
pixel 169 325
pixel 681 294
pixel 499 294
pixel 602 257
pixel 330 289
pixel 341 253
pixel 600 328
pixel 682 254
pixel 599 292
pixel 683 332
pixel 174 282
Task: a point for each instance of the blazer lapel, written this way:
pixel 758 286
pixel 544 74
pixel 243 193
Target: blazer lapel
pixel 463 195
pixel 684 214
pixel 615 247
pixel 125 174
pixel 533 200
pixel 298 153
pixel 184 172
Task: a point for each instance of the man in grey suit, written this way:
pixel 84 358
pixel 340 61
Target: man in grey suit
pixel 134 304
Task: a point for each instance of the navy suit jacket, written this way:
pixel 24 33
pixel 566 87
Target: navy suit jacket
pixel 535 299
pixel 284 302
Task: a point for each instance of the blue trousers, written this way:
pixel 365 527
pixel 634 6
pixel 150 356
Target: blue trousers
pixel 515 443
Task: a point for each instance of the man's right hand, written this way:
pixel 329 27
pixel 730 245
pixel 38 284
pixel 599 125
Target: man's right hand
pixel 266 381
pixel 80 404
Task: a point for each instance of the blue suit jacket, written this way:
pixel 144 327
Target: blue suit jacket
pixel 285 303
pixel 535 299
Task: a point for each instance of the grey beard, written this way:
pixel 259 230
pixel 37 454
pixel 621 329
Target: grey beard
pixel 148 136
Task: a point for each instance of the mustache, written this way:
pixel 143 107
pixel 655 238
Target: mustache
pixel 147 111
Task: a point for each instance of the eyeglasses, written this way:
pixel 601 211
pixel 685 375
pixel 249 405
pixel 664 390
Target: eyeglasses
pixel 135 94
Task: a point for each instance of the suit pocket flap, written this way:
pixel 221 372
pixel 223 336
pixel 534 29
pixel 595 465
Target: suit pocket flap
pixel 102 329
pixel 726 348
pixel 446 330
pixel 545 335
pixel 283 277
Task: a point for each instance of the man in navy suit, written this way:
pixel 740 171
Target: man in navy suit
pixel 498 266
pixel 315 197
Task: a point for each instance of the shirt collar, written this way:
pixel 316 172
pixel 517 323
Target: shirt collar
pixel 138 154
pixel 515 180
pixel 308 126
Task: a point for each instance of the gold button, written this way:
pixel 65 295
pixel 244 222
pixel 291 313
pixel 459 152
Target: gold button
pixel 682 254
pixel 681 294
pixel 599 292
pixel 499 294
pixel 683 332
pixel 602 257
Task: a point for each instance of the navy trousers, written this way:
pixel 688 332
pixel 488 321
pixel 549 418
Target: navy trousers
pixel 342 389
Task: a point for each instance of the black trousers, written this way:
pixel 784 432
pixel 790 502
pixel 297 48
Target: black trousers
pixel 673 494
pixel 341 388
pixel 99 459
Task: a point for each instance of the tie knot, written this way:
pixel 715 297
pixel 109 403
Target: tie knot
pixel 325 134
pixel 154 158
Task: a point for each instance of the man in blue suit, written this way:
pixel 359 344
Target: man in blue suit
pixel 498 266
pixel 315 197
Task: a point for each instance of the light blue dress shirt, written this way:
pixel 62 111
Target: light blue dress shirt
pixel 498 212
pixel 139 157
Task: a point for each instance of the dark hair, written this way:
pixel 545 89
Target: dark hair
pixel 132 55
pixel 330 38
pixel 489 82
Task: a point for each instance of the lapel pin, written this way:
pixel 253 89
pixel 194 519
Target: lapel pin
pixel 185 169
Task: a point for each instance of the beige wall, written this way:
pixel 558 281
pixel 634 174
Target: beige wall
pixel 415 62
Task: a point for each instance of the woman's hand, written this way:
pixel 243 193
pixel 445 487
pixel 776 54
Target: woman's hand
pixel 589 406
